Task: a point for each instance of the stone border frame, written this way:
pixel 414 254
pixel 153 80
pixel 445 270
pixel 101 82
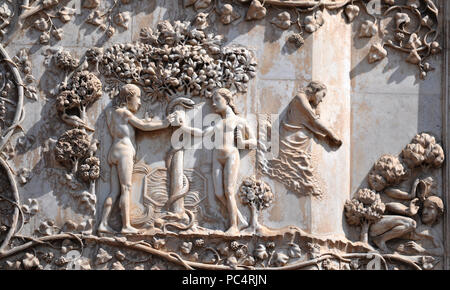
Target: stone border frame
pixel 446 128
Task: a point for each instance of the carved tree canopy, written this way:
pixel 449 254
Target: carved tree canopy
pixel 366 206
pixel 256 193
pixel 71 147
pixel 388 170
pixel 423 151
pixel 177 57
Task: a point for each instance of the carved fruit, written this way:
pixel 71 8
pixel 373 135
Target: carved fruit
pixel 377 53
pixel 351 11
pixel 414 57
pixel 256 11
pixel 435 47
pixel 228 14
pixel 368 29
pixel 283 20
pixel 297 40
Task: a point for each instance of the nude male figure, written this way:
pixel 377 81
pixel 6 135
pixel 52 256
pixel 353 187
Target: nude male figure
pixel 122 122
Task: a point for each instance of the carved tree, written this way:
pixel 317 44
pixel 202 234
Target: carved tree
pixel 71 148
pixel 363 210
pixel 84 89
pixel 257 195
pixel 177 58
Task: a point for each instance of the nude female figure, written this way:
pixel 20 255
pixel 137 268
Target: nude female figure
pixel 122 122
pixel 226 159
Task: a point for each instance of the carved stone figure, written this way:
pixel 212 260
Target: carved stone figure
pixel 54 145
pixel 122 122
pixel 395 226
pixel 226 159
pixel 302 122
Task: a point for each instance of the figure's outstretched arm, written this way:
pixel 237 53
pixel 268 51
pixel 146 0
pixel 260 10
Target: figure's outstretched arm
pixel 196 131
pixel 401 209
pixel 148 125
pixel 314 123
pixel 193 131
pixel 403 195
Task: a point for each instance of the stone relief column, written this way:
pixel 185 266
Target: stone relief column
pixel 331 62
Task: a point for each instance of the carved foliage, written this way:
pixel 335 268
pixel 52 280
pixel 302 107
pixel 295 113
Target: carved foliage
pixel 177 57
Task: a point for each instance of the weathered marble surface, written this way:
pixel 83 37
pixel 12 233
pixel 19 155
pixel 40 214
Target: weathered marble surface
pixel 373 108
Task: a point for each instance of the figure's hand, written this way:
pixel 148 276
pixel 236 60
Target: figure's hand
pixel 413 207
pixel 147 117
pixel 414 246
pixel 172 119
pixel 176 119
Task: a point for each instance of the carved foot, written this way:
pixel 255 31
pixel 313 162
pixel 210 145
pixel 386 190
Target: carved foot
pixel 248 230
pixel 232 231
pixel 105 228
pixel 129 230
pixel 264 231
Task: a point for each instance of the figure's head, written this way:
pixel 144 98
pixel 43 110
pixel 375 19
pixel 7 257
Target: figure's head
pixel 315 91
pixel 433 208
pixel 131 96
pixel 221 99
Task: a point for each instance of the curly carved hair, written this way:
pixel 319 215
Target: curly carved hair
pixel 229 97
pixel 126 92
pixel 313 87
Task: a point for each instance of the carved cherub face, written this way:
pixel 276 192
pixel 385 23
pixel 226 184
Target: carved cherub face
pixel 219 103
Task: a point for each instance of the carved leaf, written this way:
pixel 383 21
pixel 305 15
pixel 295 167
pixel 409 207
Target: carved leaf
pixel 261 252
pixel 368 29
pixel 294 251
pixel 377 53
pixel 256 11
pixel 352 11
pixel 102 257
pixel 281 259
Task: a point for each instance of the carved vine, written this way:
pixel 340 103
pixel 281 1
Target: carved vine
pixel 297 252
pixel 414 28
